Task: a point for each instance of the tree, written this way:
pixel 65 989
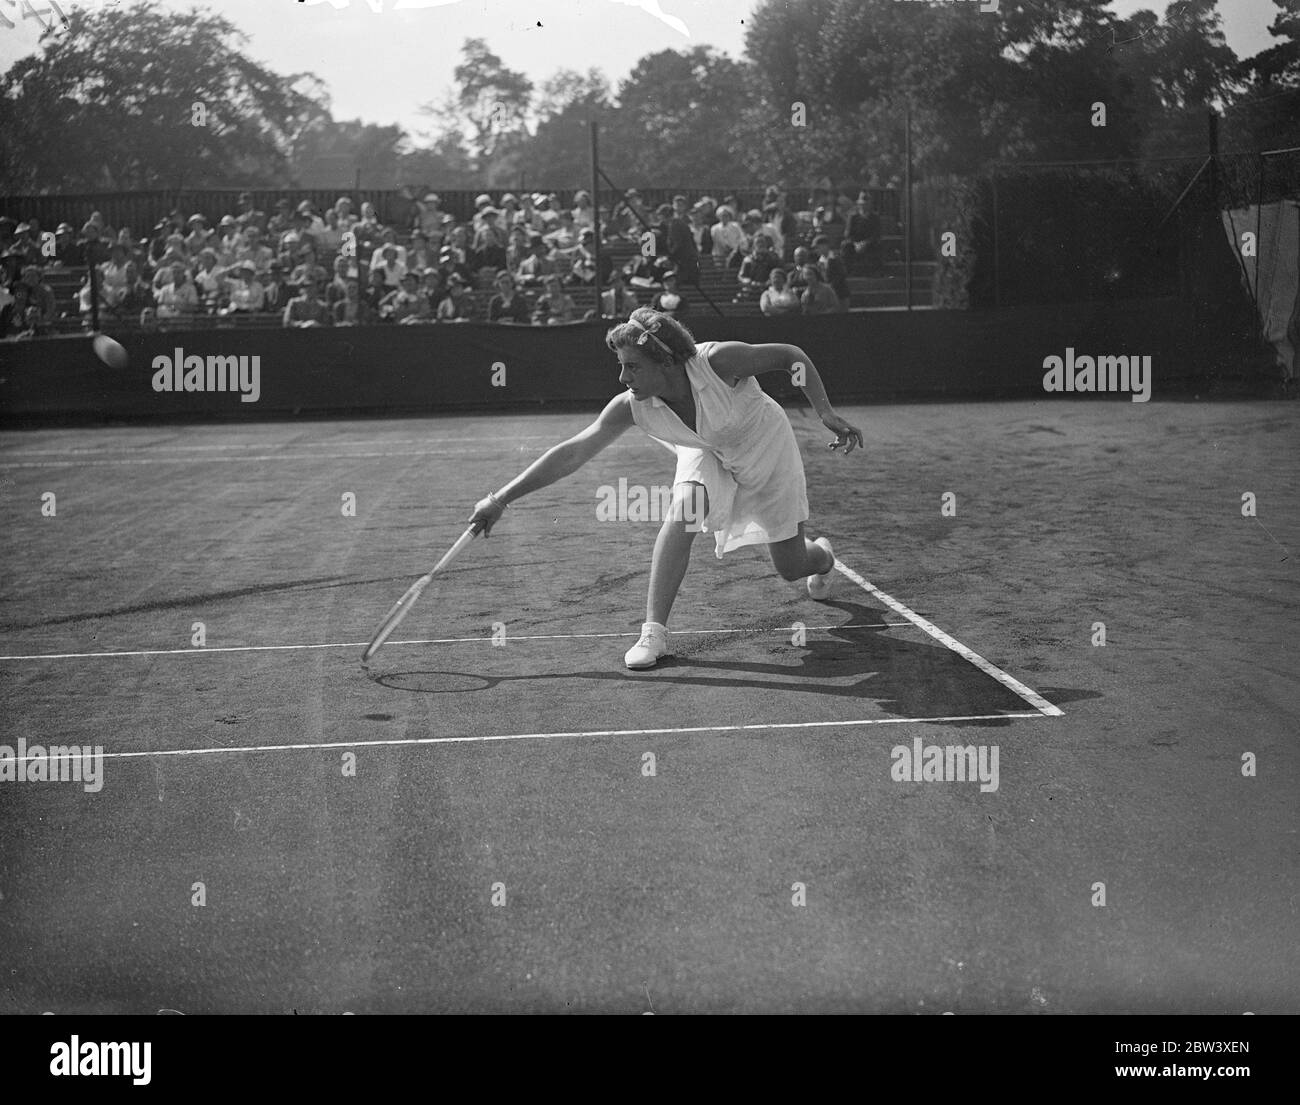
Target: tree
pixel 676 120
pixel 331 152
pixel 488 108
pixel 557 154
pixel 141 98
pixel 1018 86
pixel 1267 110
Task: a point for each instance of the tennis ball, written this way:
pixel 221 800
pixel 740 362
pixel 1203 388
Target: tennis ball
pixel 109 351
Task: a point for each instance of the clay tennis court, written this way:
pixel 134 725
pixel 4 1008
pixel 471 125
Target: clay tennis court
pixel 518 770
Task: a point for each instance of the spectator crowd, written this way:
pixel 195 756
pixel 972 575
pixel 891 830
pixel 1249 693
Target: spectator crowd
pixel 525 254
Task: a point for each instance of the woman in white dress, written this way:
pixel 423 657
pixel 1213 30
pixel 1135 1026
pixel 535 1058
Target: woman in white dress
pixel 739 473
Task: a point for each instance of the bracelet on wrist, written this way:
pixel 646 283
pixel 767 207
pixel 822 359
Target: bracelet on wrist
pixel 493 496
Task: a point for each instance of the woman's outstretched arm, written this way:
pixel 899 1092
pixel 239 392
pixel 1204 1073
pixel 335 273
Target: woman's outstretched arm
pixel 735 360
pixel 558 461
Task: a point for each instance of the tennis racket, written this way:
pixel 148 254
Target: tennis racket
pixel 402 606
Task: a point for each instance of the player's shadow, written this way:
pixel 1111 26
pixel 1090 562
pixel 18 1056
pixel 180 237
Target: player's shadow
pixel 906 674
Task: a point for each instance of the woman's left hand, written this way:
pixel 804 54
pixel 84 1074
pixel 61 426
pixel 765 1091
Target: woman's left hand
pixel 846 435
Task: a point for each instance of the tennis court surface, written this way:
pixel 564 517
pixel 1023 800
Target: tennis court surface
pixel 505 819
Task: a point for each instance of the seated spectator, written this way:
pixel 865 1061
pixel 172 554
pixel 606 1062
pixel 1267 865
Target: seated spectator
pixel 546 213
pixel 387 240
pixel 564 237
pixel 227 242
pixel 139 293
pixel 375 291
pixel 135 251
pixel 10 262
pixel 756 268
pixel 481 203
pixel 253 251
pixel 279 291
pixel 421 255
pixel 174 253
pixel 67 250
pixel 406 304
pixel 511 215
pixel 245 295
pixel 178 298
pixel 802 257
pixel 832 269
pixel 329 239
pixel 315 223
pixel 85 301
pixel 303 271
pixel 778 298
pixel 861 243
pixel 826 220
pixel 389 266
pixel 700 230
pixel 645 271
pixel 489 246
pixel 670 301
pixel 509 304
pixel 338 285
pixel 517 249
pixel 582 267
pixel 432 219
pixel 529 217
pixel 554 305
pixel 6 303
pixel 680 255
pixel 433 287
pixel 772 228
pixel 367 230
pixel 299 236
pixel 459 305
pixel 113 276
pixel 448 263
pixel 818 298
pixel 458 243
pixel 617 301
pixel 197 235
pixel 282 221
pixel 308 307
pixel 343 214
pixel 247 215
pixel 584 213
pixel 209 281
pixel 727 236
pixel 537 266
pixel 631 216
pixel 351 309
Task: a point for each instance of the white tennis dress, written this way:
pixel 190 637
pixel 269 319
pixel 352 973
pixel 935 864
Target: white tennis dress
pixel 745 455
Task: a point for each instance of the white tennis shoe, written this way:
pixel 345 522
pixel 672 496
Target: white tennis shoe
pixel 650 649
pixel 820 586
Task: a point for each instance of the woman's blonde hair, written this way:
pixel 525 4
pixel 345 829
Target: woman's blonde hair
pixel 660 336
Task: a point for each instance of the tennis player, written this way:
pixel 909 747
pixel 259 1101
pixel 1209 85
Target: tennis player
pixel 739 474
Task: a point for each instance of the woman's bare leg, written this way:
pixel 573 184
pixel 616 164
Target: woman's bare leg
pixel 673 549
pixel 797 557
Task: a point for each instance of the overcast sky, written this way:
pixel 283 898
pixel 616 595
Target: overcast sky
pixel 380 65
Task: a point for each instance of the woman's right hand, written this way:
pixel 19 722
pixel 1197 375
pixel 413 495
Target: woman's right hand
pixel 487 512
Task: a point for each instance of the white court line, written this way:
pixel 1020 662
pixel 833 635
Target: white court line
pixel 1010 682
pixel 94 460
pixel 551 736
pixel 427 641
pixel 91 462
pixel 266 445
